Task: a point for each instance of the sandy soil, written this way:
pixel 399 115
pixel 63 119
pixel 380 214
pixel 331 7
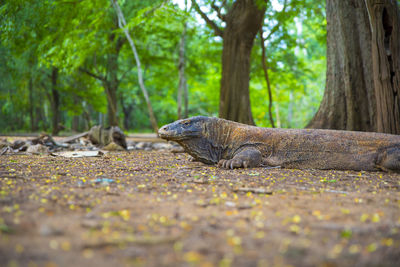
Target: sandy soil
pixel 159 209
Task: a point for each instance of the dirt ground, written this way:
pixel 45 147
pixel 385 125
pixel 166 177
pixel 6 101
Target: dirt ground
pixel 156 208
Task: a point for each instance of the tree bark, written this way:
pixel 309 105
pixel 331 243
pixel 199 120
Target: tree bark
pixel 185 100
pixel 31 105
pixel 243 21
pixel 111 82
pixel 75 124
pixel 55 101
pixel 363 67
pixel 348 101
pixel 127 109
pixel 385 26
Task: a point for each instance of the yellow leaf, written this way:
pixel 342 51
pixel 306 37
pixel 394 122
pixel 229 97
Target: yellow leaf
pixel 375 218
pixel 372 247
pixel 19 248
pixel 387 242
pixel 125 214
pixel 364 217
pixel 353 249
pixel 345 211
pixel 296 219
pixel 192 256
pixel 294 228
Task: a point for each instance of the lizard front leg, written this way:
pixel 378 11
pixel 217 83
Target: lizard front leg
pixel 247 158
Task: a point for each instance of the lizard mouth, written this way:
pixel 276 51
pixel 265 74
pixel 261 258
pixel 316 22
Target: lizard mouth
pixel 164 133
pixel 168 134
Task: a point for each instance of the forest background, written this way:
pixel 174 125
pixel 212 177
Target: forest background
pixel 66 64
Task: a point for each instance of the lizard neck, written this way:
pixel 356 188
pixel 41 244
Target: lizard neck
pixel 213 142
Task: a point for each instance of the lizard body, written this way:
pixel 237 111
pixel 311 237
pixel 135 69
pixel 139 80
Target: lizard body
pixel 235 145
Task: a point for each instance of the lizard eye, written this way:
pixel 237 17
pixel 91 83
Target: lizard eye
pixel 186 123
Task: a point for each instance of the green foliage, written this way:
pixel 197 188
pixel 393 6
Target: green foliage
pixel 78 37
pixel 296 61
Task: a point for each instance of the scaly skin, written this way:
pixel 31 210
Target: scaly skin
pixel 236 145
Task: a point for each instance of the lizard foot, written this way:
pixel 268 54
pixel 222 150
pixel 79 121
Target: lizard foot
pixel 233 163
pixel 249 157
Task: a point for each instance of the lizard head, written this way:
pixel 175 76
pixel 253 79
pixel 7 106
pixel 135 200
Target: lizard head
pixel 183 129
pixel 199 136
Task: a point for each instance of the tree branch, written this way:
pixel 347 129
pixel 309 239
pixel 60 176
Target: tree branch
pixel 218 10
pixel 155 8
pixel 217 30
pixel 276 27
pixel 95 62
pixel 122 26
pixel 265 68
pixel 123 76
pixel 99 77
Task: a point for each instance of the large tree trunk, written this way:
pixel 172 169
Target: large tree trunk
pixel 363 67
pixel 127 109
pixel 55 101
pixel 348 102
pixel 31 105
pixel 243 21
pixel 385 27
pixel 111 83
pixel 111 93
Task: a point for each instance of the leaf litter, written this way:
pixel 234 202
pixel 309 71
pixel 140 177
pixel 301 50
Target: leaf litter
pixel 155 208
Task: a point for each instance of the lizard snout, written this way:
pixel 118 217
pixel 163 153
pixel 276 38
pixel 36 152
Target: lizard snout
pixel 165 132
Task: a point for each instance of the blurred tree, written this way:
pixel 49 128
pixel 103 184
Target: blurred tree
pixel 243 20
pixel 122 25
pixel 183 87
pixel 80 37
pixel 294 33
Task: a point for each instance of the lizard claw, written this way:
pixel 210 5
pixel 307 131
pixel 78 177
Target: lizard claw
pixel 233 163
pixel 221 163
pixel 245 164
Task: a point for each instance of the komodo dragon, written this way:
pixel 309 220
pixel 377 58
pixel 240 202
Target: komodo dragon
pixel 236 145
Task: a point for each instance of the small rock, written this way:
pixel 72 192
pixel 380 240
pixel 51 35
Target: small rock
pixel 142 145
pixel 103 181
pixel 244 206
pixel 230 204
pixel 91 223
pixel 131 143
pixel 113 147
pixel 37 149
pixel 49 230
pixel 159 146
pixel 91 216
pixel 79 154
